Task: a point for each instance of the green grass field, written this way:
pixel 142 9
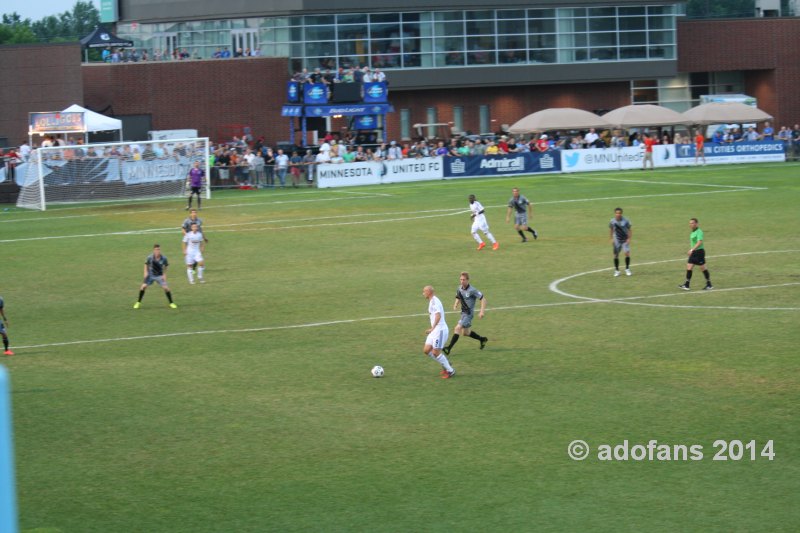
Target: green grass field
pixel 251 406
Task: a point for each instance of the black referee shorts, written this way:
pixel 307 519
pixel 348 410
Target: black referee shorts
pixel 698 257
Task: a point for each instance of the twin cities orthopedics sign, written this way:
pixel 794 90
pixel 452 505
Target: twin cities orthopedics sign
pixel 56 122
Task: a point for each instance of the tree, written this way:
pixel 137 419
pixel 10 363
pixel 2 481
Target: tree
pixel 66 27
pixel 720 8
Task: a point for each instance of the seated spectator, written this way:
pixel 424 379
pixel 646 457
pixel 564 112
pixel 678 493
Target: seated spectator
pixel 590 138
pixel 441 149
pixel 491 148
pixel 406 149
pixel 423 149
pixel 380 152
pixel 511 146
pixel 751 135
pixel 360 154
pixel 366 75
pixel 543 144
pixel 464 149
pixel 718 137
pixel 502 144
pixel 394 152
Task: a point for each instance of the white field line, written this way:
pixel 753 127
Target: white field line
pixel 554 287
pixel 578 300
pixel 215 206
pixel 443 212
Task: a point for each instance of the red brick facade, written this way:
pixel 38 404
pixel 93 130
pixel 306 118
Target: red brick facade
pixel 201 95
pixel 36 78
pixel 767 50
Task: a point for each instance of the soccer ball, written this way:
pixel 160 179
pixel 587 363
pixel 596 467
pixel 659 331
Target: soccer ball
pixel 377 371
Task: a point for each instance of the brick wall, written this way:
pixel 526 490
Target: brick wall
pixel 766 49
pixel 201 95
pixel 506 105
pixel 36 78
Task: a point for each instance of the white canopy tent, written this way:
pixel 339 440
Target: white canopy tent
pixel 92 122
pixel 96 121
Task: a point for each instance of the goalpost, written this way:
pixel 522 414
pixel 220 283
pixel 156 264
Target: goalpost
pixel 111 171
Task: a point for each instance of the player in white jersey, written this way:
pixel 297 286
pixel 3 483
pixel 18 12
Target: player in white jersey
pixel 437 334
pixel 479 223
pixel 193 247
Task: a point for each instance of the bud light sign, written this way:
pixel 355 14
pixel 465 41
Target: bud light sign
pixel 315 93
pixel 375 92
pixel 365 122
pixel 292 91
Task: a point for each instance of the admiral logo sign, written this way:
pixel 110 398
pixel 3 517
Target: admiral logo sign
pixel 516 164
pixel 458 166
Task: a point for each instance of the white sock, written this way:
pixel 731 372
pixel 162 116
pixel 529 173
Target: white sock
pixel 190 274
pixel 477 238
pixel 200 272
pixel 490 237
pixel 442 358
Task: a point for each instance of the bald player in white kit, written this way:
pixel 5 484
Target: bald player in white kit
pixel 437 334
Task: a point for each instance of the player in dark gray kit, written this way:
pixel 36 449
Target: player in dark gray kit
pixel 155 271
pixel 620 231
pixel 522 210
pixel 466 297
pixel 3 324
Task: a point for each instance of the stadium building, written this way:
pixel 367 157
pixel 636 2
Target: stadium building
pixel 468 67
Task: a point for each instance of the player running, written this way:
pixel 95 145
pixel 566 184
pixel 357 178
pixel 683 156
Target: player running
pixel 479 223
pixel 3 325
pixel 155 271
pixel 697 256
pixel 466 297
pixel 437 333
pixel 194 245
pixel 522 208
pixel 620 231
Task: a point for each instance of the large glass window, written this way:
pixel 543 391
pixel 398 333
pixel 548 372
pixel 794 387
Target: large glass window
pixel 427 39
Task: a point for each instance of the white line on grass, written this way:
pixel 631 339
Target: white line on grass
pixel 361 196
pixel 444 212
pixel 554 287
pixel 577 300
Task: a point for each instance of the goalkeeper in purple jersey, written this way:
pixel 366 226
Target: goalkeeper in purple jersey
pixel 195 180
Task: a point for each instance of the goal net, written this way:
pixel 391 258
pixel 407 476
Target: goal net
pixel 111 171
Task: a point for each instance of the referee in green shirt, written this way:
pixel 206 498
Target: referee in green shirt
pixel 697 256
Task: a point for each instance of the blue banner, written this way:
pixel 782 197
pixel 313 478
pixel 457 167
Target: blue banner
pixel 293 91
pixel 502 165
pixel 376 92
pixel 365 122
pixel 348 110
pixel 315 93
pixel 292 111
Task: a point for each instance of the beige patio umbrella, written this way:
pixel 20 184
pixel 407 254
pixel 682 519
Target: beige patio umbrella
pixel 725 113
pixel 558 118
pixel 637 116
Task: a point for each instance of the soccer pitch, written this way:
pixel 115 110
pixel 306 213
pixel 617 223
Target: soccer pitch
pixel 251 407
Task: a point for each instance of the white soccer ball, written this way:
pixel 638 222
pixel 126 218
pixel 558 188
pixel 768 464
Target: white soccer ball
pixel 377 371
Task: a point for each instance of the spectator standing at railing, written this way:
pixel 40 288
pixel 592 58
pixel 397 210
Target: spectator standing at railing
pixel 366 75
pixel 281 166
pixel 106 55
pixel 649 142
pixel 257 169
pixel 309 164
pixel 699 146
pixel 269 167
pixel 378 75
pixel 768 134
pixel 25 150
pixel 295 168
pixel 785 135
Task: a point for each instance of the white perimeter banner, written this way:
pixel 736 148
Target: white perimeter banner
pixel 349 174
pixel 629 157
pixel 421 169
pixel 376 172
